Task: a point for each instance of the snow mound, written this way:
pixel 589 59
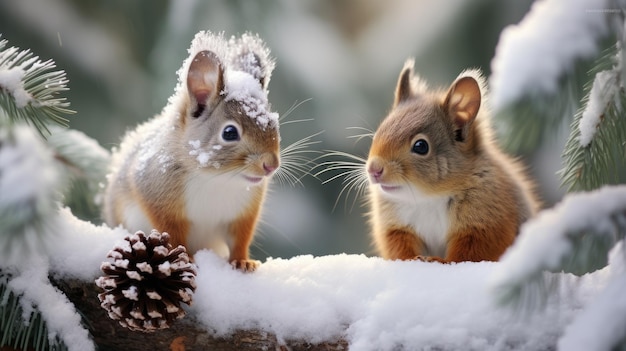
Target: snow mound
pixel 376 304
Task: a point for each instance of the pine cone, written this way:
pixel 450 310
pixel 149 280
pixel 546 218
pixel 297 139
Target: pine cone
pixel 146 282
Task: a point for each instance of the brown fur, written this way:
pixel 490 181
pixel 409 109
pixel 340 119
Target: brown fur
pixel 484 194
pixel 160 189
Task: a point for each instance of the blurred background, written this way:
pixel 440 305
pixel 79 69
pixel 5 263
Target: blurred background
pixel 337 60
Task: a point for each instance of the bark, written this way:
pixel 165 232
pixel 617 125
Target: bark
pixel 186 334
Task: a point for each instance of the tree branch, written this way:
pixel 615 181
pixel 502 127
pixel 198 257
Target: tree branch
pixel 185 335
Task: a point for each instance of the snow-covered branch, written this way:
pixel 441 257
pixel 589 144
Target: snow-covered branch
pixel 533 55
pixel 575 237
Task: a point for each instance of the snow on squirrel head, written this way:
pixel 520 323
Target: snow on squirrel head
pixel 222 107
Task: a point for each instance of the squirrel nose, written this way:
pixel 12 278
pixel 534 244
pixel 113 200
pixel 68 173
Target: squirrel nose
pixel 375 171
pixel 268 168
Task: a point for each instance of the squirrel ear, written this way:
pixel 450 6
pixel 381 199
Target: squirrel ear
pixel 404 88
pixel 251 62
pixel 462 104
pixel 205 79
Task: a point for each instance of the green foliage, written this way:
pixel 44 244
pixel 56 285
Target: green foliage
pixel 603 160
pixel 19 331
pixel 528 123
pixel 41 105
pixel 27 187
pixel 83 165
pixel 29 92
pixel 571 241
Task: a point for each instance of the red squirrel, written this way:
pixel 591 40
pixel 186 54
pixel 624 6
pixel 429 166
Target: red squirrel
pixel 440 188
pixel 200 169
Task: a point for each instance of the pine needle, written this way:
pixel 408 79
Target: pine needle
pixel 18 332
pixel 35 98
pixel 603 161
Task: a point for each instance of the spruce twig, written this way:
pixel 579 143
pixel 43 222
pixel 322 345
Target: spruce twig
pixel 19 332
pixel 30 88
pixel 590 166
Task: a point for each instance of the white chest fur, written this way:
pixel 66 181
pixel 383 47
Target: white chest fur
pixel 212 202
pixel 428 216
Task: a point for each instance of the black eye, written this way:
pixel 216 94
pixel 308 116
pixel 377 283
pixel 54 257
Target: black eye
pixel 230 133
pixel 420 147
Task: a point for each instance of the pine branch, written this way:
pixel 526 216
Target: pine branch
pixel 573 237
pixel 186 334
pixel 19 332
pixel 84 165
pixel 29 89
pixel 596 158
pixel 28 192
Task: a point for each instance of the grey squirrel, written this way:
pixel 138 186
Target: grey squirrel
pixel 440 188
pixel 200 169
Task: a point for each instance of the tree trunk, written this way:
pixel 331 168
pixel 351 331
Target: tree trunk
pixel 184 335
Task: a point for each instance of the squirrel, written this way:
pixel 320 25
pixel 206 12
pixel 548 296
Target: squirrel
pixel 440 189
pixel 200 169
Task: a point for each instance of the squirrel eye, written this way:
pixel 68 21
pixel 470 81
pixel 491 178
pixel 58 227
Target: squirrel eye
pixel 230 133
pixel 420 147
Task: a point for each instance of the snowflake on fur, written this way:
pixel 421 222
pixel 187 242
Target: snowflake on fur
pixel 146 282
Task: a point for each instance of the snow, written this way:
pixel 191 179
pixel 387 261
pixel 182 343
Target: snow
pixel 11 81
pixel 28 189
pixel 532 55
pixel 246 61
pixel 375 304
pixel 371 302
pixel 544 243
pixel 26 168
pixel 602 323
pixel 602 92
pixel 59 313
pixel 243 87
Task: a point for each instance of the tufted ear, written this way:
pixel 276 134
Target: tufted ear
pixel 404 87
pixel 251 63
pixel 462 103
pixel 205 81
pixel 249 54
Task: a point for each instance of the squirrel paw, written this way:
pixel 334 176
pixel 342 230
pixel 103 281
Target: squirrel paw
pixel 245 265
pixel 429 259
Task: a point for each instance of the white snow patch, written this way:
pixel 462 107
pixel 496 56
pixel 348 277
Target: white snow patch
pixel 80 247
pixel 374 303
pixel 544 241
pixel 134 275
pixel 153 295
pixel 602 323
pixel 27 173
pixel 29 184
pixel 244 88
pixel 131 293
pixel 144 267
pixel 203 157
pixel 165 268
pixel 58 312
pixel 11 81
pixel 161 250
pixel 602 92
pixel 532 55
